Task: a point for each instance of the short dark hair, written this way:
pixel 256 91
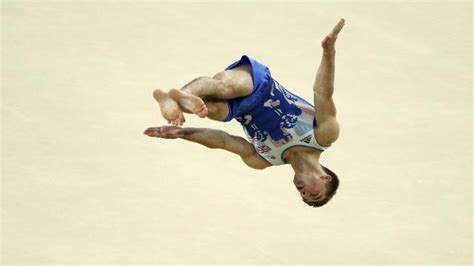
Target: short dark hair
pixel 331 188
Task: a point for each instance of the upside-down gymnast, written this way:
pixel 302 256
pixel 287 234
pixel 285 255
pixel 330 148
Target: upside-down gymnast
pixel 282 127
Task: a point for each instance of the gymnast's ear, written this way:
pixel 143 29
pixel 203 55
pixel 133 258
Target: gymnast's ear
pixel 326 177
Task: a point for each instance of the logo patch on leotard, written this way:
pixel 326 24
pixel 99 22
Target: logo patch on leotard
pixel 306 139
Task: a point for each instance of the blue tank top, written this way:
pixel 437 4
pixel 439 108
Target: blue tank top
pixel 273 118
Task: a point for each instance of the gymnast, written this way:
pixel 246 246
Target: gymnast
pixel 281 127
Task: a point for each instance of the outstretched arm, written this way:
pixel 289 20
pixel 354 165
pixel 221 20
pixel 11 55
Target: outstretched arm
pixel 214 139
pixel 328 128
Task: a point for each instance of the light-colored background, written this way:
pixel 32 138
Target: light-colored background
pixel 81 184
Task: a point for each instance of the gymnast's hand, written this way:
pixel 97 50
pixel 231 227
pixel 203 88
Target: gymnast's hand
pixel 165 132
pixel 330 40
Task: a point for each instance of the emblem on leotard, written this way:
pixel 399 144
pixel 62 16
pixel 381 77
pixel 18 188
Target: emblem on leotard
pixel 260 136
pixel 263 149
pixel 289 120
pixel 306 139
pixel 244 120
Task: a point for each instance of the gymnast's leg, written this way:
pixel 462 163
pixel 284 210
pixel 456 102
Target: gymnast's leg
pixel 225 85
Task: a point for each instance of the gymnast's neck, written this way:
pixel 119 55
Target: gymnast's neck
pixel 304 159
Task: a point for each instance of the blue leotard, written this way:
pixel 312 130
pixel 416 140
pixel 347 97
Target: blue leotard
pixel 273 118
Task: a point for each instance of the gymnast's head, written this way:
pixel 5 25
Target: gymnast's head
pixel 317 187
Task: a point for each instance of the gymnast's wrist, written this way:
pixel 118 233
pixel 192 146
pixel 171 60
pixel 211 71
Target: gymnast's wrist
pixel 186 132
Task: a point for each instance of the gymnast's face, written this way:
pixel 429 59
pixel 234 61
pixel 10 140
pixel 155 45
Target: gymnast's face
pixel 312 187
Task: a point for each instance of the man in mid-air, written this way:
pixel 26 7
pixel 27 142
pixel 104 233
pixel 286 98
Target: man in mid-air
pixel 282 127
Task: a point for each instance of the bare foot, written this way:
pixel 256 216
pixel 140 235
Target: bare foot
pixel 189 102
pixel 169 108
